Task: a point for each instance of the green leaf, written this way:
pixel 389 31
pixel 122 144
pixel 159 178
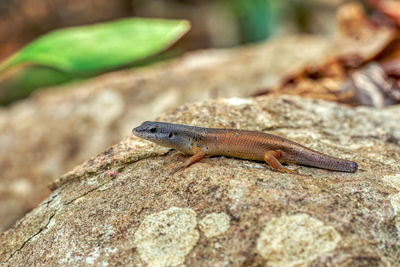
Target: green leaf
pixel 21 83
pixel 95 48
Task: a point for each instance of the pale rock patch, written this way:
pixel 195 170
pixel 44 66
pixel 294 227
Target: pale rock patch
pixel 395 201
pixel 295 240
pixel 165 238
pixel 214 224
pixel 394 181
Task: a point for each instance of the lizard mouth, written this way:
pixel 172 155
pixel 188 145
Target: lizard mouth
pixel 142 132
pixel 137 131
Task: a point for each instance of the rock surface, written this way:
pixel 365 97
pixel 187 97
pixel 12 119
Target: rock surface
pixel 123 208
pixel 53 131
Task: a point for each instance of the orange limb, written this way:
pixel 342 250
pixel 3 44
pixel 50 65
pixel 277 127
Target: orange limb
pixel 271 158
pixel 197 156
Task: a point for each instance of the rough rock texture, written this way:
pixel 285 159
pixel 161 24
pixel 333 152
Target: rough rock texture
pixel 123 208
pixel 296 240
pixel 53 131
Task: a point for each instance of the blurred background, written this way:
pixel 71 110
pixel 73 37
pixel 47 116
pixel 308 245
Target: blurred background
pixel 91 89
pixel 217 23
pixel 214 24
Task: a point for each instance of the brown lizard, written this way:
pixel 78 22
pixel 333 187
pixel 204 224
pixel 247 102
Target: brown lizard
pixel 274 150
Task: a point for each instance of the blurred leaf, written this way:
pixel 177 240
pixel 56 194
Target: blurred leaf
pixel 257 19
pixel 95 48
pixel 72 54
pixel 22 82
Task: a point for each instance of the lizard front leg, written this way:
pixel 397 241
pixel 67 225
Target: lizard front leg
pixel 197 156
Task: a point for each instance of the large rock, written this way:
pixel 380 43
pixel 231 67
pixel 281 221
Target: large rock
pixel 123 208
pixel 53 131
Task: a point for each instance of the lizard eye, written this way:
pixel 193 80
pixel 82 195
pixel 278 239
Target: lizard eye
pixel 170 135
pixel 153 129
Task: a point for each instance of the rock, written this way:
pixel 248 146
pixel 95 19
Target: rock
pixel 166 237
pixel 48 134
pixel 296 240
pixel 214 224
pixel 123 208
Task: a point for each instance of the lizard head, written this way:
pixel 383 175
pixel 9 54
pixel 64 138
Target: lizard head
pixel 151 130
pixel 165 134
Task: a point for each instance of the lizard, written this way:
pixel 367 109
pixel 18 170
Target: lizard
pixel 200 142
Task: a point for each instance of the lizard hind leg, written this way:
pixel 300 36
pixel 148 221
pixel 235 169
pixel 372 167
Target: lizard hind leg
pixel 271 158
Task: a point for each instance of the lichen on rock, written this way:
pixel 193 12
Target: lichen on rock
pixel 395 201
pixel 295 240
pixel 214 224
pixel 394 181
pixel 165 238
